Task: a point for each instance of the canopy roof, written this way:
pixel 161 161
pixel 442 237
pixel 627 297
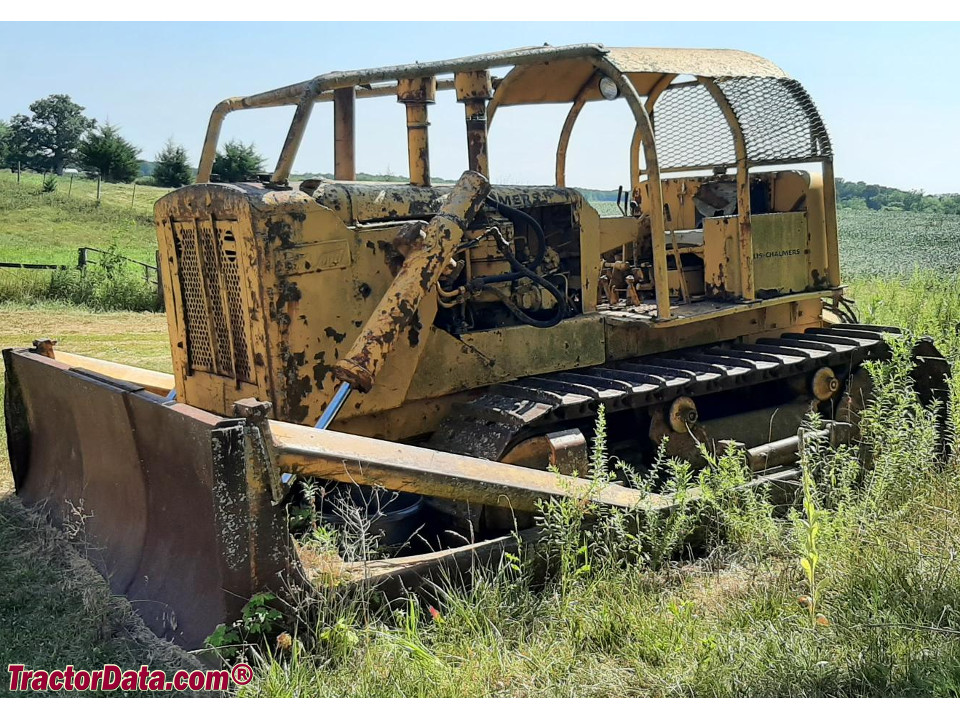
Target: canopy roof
pixel 560 81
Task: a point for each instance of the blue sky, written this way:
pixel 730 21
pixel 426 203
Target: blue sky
pixel 883 89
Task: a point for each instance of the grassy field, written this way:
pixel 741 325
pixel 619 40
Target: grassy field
pixel 735 620
pixel 49 228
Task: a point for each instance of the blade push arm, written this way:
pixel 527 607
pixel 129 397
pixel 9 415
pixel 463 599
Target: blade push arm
pixel 417 277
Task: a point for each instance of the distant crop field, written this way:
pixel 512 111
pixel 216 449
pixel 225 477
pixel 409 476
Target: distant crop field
pixel 894 244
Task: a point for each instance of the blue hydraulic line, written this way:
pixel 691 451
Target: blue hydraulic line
pixel 343 392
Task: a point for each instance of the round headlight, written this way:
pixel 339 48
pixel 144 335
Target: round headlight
pixel 608 88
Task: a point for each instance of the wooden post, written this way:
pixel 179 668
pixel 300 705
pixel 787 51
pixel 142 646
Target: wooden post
pixel 134 196
pixel 70 188
pixel 159 284
pixel 99 178
pixel 18 172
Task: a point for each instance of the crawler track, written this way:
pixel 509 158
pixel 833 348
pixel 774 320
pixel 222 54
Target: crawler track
pixel 488 426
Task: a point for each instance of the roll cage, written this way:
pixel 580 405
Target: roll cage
pixel 739 112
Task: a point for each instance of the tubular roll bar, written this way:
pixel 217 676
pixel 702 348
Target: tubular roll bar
pixel 320 88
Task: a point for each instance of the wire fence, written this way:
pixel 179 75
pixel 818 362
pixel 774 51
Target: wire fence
pixel 94 256
pixel 91 187
pixel 87 256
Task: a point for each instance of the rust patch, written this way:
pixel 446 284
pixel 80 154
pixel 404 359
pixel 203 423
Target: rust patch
pixel 332 333
pixel 297 388
pixel 413 335
pixel 321 369
pixel 392 257
pixel 289 293
pixel 280 232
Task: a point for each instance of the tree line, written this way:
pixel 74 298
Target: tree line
pixel 864 196
pixel 57 135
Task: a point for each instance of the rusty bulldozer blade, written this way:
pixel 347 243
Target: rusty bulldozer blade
pixel 174 504
pixel 160 493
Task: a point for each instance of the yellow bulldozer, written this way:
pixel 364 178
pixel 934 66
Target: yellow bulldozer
pixel 439 347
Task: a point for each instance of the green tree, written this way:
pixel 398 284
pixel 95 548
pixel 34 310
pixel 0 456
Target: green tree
pixel 238 162
pixel 4 143
pixel 19 149
pixel 50 137
pixel 172 167
pixel 105 150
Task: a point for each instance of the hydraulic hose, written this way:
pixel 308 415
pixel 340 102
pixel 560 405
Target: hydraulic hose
pixel 522 271
pixel 516 216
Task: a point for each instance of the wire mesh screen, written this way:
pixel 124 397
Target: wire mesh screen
pixel 690 129
pixel 778 117
pixel 213 303
pixel 779 121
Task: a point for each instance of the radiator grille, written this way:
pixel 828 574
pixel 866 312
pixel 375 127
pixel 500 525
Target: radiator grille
pixel 213 299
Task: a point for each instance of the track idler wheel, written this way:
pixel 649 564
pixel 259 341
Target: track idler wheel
pixel 824 384
pixel 683 414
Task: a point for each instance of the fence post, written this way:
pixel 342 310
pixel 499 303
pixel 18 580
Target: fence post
pixel 82 260
pixel 99 178
pixel 133 197
pixel 159 284
pixel 18 172
pixel 70 188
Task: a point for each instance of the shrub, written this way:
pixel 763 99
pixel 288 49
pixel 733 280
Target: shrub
pixel 114 158
pixel 172 167
pixel 238 162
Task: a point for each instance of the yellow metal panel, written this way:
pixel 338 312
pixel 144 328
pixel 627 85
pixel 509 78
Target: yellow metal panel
pixel 700 62
pixel 560 81
pixel 721 257
pixel 789 189
pixel 780 249
pixel 615 232
pixel 590 260
pixel 450 365
pixel 626 339
pixel 817 230
pixel 314 257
